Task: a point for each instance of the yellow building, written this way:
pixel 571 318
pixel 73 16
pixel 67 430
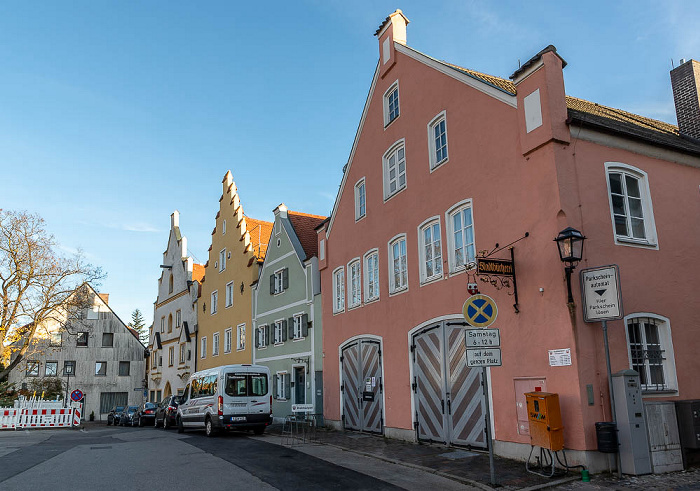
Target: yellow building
pixel 238 245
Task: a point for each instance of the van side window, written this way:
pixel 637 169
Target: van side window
pixel 196 385
pixel 258 384
pixel 185 395
pixel 236 385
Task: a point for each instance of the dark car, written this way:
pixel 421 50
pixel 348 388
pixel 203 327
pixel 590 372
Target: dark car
pixel 145 414
pixel 114 414
pixel 166 413
pixel 127 416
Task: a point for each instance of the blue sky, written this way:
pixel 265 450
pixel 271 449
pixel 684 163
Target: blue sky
pixel 113 114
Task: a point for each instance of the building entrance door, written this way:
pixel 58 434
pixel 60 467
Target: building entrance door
pixel 299 385
pixel 361 386
pixel 448 395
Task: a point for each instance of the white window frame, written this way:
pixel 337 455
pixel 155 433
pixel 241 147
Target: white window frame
pixel 240 337
pixel 215 344
pixel 277 327
pixel 432 147
pixel 171 356
pixel 178 318
pixel 222 260
pixel 360 199
pixel 162 324
pixel 666 342
pixel 394 150
pixel 229 294
pixel 203 347
pixel 280 389
pixel 297 327
pixel 339 290
pixel 183 352
pixel 354 283
pixel 385 98
pixel 424 278
pixel 651 240
pixel 279 281
pixel 228 333
pixel 54 373
pixel 393 287
pixel 369 276
pixel 223 227
pixel 450 234
pixel 214 302
pixel 260 333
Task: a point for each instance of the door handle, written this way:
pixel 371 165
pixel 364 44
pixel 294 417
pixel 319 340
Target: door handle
pixel 449 406
pixel 442 405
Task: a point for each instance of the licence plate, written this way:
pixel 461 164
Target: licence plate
pixel 238 418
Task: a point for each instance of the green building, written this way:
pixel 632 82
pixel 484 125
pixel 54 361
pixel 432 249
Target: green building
pixel 287 314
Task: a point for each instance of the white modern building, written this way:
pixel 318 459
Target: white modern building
pixel 172 335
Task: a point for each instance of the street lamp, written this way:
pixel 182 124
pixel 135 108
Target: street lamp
pixel 570 244
pixel 68 371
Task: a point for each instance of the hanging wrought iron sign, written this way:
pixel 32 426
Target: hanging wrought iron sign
pixel 499 267
pixel 498 272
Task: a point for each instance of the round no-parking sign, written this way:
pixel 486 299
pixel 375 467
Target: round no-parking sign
pixel 77 395
pixel 480 310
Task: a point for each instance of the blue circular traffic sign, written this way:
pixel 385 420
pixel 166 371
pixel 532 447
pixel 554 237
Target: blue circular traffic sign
pixel 77 395
pixel 480 310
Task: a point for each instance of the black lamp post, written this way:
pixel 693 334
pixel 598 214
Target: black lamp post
pixel 68 371
pixel 570 244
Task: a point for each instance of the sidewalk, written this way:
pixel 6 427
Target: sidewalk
pixel 467 467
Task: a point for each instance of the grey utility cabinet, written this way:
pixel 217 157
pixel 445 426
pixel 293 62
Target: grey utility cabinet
pixel 635 457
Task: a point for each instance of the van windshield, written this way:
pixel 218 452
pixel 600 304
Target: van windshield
pixel 246 384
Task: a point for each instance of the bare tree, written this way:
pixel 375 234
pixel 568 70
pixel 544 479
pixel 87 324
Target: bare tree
pixel 38 284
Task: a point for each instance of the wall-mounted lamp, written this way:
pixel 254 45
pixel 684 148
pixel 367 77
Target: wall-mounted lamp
pixel 570 244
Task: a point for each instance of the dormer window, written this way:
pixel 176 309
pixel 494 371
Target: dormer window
pixel 391 104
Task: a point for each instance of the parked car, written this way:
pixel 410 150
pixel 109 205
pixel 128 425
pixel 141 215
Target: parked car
pixel 166 413
pixel 114 414
pixel 145 414
pixel 127 416
pixel 226 398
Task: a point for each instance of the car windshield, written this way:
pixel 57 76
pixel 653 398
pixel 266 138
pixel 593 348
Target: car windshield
pixel 132 409
pixel 246 384
pixel 119 409
pixel 150 405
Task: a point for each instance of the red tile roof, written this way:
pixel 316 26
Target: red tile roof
pixel 259 231
pixel 304 226
pixel 197 272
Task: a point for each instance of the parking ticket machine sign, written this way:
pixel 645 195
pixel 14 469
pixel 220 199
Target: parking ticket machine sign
pixel 602 298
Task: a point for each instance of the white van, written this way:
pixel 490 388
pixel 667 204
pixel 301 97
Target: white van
pixel 227 397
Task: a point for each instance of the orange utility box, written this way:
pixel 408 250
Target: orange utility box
pixel 543 413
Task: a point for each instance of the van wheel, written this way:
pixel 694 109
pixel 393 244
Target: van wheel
pixel 209 427
pixel 180 427
pixel 259 430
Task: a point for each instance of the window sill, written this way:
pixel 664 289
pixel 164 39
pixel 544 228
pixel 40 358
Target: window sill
pixel 398 191
pixel 357 219
pixel 386 125
pixel 433 279
pixel 371 300
pixel 279 344
pixel 659 393
pixel 336 312
pixel 642 244
pixel 353 307
pixel 434 167
pixel 398 291
pixel 295 340
pixel 240 349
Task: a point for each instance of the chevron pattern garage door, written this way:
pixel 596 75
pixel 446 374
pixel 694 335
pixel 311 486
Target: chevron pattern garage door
pixel 362 386
pixel 448 395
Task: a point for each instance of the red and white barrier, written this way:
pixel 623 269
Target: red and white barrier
pixel 31 414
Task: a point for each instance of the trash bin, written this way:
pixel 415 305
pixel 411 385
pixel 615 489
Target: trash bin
pixel 606 434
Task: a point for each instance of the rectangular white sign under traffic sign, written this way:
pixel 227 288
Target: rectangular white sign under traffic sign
pixel 302 408
pixel 475 338
pixel 602 297
pixel 484 357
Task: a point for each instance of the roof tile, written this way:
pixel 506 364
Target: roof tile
pixel 305 227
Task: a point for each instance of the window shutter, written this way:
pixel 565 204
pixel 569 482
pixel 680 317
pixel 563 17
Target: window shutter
pixel 305 325
pixel 267 335
pixel 274 385
pixel 272 284
pixel 287 391
pixel 257 338
pixel 290 327
pixel 285 278
pixel 284 330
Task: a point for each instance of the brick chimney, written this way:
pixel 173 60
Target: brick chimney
pixel 685 81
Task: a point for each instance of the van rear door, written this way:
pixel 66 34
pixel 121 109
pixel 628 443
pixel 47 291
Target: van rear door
pixel 246 393
pixel 258 392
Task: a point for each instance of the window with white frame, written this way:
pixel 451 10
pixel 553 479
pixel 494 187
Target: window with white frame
pixel 33 368
pixel 460 236
pixel 223 227
pixel 215 344
pixel 360 199
pixel 162 324
pixel 430 250
pixel 297 326
pixel 203 347
pixel 263 336
pixel 51 368
pixel 229 294
pixel 371 276
pixel 222 260
pixel 437 140
pixel 214 301
pixel 391 103
pixel 228 336
pixel 394 166
pixel 183 350
pixel 171 356
pixel 398 266
pixel 279 281
pixel 178 318
pixel 279 332
pixel 651 351
pixel 630 204
pixel 240 337
pixel 282 386
pixel 354 284
pixel 339 290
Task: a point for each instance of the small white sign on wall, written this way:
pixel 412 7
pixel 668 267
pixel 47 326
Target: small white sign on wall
pixel 560 357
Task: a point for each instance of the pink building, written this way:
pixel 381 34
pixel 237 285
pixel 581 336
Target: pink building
pixel 448 162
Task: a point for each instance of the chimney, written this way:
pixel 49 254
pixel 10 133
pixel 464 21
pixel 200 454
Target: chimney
pixel 393 29
pixel 685 81
pixel 175 219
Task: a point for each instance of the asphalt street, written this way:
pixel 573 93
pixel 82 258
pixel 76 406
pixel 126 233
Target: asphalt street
pixel 107 458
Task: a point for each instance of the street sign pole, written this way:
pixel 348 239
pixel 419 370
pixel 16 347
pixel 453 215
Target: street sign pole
pixel 610 385
pixel 489 440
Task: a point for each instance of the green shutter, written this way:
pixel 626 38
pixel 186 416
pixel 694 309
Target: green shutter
pixel 284 330
pixel 305 325
pixel 272 284
pixel 285 278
